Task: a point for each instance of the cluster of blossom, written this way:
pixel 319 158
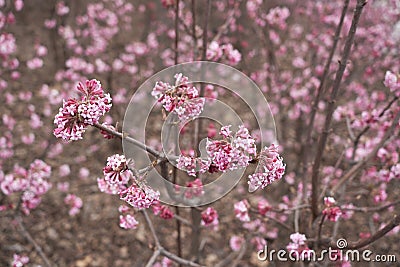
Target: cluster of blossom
pixel 270 168
pixel 7 45
pixel 241 210
pixel 37 61
pixel 182 98
pixel 298 245
pixel 192 165
pixel 236 242
pixel 392 81
pixel 165 262
pixel 33 183
pixel 168 3
pixel 76 115
pixel 19 261
pixel 233 152
pixel 263 207
pixel 209 218
pixel 116 181
pixel 332 211
pixel 276 16
pixel 216 51
pixel 116 170
pixel 162 210
pixel 194 189
pixel 74 202
pixel 126 221
pixel 139 197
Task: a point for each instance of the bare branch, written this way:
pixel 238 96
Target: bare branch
pixel 153 258
pixel 382 232
pixel 153 232
pixel 178 259
pixel 129 139
pixel 29 237
pixel 331 106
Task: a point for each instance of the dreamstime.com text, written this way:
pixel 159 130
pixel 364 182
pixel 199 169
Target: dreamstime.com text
pixel 337 254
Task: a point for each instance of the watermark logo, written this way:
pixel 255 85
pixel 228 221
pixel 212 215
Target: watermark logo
pixel 340 253
pixel 137 120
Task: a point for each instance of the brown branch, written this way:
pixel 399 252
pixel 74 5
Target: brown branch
pixel 224 26
pixel 178 259
pixel 373 209
pixel 176 31
pixel 382 232
pixel 331 107
pixel 153 258
pixel 129 139
pixel 195 214
pixel 194 37
pixel 152 230
pixel 29 237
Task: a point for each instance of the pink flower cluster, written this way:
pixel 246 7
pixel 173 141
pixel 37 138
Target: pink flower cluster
pixel 392 81
pixel 270 168
pixel 332 212
pixel 298 245
pixel 168 3
pixel 116 175
pixel 116 170
pixel 234 152
pixel 182 98
pixel 241 210
pixel 126 221
pixel 216 52
pixel 19 261
pixel 162 210
pixel 7 45
pixel 75 204
pixel 209 217
pixel 139 197
pixel 277 16
pixel 192 165
pixel 236 242
pixel 194 189
pixel 76 115
pixel 33 183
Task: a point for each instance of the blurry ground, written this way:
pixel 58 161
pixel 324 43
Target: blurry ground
pixel 93 237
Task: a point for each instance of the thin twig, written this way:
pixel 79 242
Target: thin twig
pixel 240 255
pixel 194 37
pixel 195 214
pixel 153 258
pixel 224 26
pixel 153 232
pixel 320 228
pixel 182 220
pixel 318 96
pixel 129 139
pixel 176 31
pixel 178 259
pixel 29 237
pixel 373 209
pixel 382 232
pixel 331 107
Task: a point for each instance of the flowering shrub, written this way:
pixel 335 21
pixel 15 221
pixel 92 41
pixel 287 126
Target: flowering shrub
pixel 329 70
